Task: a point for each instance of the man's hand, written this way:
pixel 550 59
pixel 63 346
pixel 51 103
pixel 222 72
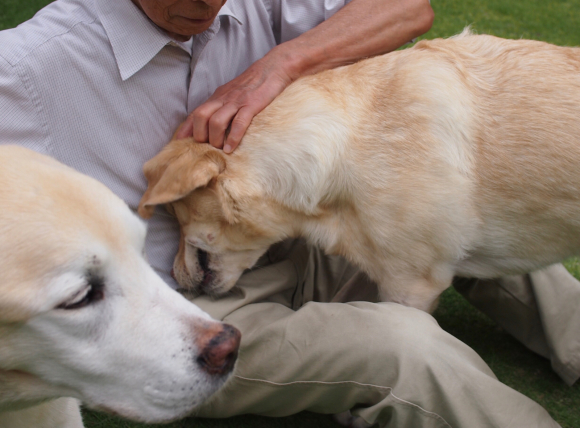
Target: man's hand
pixel 224 118
pixel 361 29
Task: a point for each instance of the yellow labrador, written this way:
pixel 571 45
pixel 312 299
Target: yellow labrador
pixel 83 315
pixel 458 156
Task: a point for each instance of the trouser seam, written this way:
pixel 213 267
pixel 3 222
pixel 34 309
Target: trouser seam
pixel 351 382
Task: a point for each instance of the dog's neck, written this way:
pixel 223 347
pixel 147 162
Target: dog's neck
pixel 297 155
pixel 301 166
pixel 305 173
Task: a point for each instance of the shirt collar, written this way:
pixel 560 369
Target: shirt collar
pixel 228 10
pixel 134 38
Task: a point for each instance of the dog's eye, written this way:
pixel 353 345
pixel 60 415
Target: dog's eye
pixel 88 295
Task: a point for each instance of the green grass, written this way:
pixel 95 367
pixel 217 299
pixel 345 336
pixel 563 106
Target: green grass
pixel 13 12
pixel 553 21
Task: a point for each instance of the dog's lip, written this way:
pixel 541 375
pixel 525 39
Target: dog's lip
pixel 208 277
pixel 208 273
pixel 186 396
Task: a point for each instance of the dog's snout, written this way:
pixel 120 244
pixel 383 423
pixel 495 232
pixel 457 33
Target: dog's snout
pixel 219 350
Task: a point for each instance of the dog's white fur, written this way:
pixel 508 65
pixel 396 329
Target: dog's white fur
pixel 129 348
pixel 455 157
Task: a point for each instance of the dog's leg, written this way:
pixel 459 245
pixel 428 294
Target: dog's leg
pixel 59 413
pixel 421 292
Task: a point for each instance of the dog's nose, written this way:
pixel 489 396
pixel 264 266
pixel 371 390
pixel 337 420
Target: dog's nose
pixel 219 350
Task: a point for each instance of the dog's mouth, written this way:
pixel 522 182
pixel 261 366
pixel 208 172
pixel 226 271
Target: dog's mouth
pixel 208 274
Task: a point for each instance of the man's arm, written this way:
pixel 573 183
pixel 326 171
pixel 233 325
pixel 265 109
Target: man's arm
pixel 22 123
pixel 361 29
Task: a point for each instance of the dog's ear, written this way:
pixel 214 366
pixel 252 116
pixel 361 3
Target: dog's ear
pixel 228 204
pixel 172 177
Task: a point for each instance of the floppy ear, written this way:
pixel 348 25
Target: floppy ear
pixel 228 204
pixel 176 177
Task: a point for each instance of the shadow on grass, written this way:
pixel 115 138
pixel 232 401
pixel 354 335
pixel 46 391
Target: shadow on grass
pixel 300 420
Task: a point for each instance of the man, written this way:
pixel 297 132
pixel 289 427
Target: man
pixel 101 85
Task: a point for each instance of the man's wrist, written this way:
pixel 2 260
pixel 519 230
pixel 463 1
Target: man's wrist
pixel 293 60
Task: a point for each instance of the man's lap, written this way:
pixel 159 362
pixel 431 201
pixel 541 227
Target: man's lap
pixel 302 350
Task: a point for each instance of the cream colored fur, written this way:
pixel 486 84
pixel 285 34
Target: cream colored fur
pixel 458 156
pixel 82 314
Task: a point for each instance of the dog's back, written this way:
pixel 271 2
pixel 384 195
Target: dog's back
pixel 525 145
pixel 465 145
pixel 474 142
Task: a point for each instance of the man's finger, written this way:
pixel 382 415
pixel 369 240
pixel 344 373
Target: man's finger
pixel 219 122
pixel 239 125
pixel 185 130
pixel 201 117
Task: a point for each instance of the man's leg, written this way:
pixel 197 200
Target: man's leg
pixel 541 310
pixel 387 363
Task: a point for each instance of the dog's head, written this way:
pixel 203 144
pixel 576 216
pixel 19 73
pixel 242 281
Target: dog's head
pixel 226 222
pixel 82 314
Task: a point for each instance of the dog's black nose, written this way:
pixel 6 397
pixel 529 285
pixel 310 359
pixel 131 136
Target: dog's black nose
pixel 219 350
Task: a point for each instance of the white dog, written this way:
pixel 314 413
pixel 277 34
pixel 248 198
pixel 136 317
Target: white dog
pixel 455 157
pixel 83 315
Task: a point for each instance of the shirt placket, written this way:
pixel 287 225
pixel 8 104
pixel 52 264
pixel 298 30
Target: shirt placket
pixel 199 44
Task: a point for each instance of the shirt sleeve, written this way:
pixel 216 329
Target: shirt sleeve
pixel 20 121
pixel 291 18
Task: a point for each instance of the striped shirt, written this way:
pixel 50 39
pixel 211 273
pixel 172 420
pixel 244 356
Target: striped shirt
pixel 96 85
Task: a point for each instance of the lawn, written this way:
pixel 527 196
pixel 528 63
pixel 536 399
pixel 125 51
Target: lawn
pixel 553 21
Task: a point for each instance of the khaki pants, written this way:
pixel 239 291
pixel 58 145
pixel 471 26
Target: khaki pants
pixel 304 349
pixel 541 310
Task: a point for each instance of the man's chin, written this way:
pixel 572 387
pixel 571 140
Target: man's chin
pixel 190 27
